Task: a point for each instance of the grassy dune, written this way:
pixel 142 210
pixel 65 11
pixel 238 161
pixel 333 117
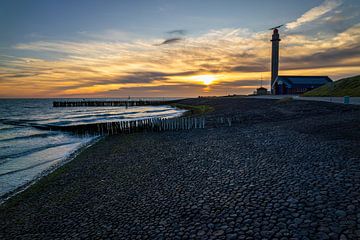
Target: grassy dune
pixel 344 87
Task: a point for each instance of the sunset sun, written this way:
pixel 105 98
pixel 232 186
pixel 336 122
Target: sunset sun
pixel 206 79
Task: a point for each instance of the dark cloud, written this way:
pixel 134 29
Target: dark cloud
pixel 331 58
pixel 251 68
pixel 141 77
pixel 177 31
pixel 132 77
pixel 171 41
pixel 206 68
pixel 82 69
pixel 243 83
pixel 304 66
pixel 243 55
pixel 176 36
pixel 20 75
pixel 13 77
pixel 209 67
pixel 147 77
pixel 182 90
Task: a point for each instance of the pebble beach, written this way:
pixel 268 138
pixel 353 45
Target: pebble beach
pixel 285 170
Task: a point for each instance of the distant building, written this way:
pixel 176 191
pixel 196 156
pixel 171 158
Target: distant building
pixel 297 84
pixel 261 91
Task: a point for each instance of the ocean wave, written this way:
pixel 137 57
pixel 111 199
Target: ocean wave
pixel 159 111
pixel 30 167
pixel 98 115
pixel 9 128
pixel 32 150
pixel 39 135
pixel 17 122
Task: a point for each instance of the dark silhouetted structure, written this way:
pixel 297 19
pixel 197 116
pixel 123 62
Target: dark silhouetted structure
pixel 275 55
pixel 297 84
pixel 261 91
pixel 290 84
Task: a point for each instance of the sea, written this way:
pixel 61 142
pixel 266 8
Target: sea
pixel 27 153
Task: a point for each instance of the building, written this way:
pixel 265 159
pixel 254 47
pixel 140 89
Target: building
pixel 261 91
pixel 290 84
pixel 297 84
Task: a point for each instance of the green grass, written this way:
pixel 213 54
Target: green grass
pixel 344 87
pixel 194 109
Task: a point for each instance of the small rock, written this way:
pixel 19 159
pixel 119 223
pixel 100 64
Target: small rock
pixel 210 226
pixel 340 213
pixel 219 233
pixel 343 237
pixel 231 236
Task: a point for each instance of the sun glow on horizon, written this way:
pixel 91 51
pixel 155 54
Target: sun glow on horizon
pixel 205 79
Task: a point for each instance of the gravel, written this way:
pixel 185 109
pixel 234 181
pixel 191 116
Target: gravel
pixel 283 171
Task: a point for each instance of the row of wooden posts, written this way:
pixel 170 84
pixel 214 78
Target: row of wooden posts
pixel 126 103
pixel 131 126
pixel 153 125
pixel 144 125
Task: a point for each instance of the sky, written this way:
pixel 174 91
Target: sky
pixel 163 48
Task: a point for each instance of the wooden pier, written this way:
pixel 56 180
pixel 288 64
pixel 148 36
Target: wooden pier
pixel 126 103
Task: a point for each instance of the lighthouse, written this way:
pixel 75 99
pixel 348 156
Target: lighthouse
pixel 285 84
pixel 274 56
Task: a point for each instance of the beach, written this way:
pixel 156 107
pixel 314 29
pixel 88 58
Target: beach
pixel 284 170
pixel 31 143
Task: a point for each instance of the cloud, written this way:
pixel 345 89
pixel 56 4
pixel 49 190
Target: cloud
pixel 341 57
pixel 177 32
pixel 242 83
pixel 148 77
pixel 20 75
pixel 141 77
pixel 251 68
pixel 171 41
pixel 109 35
pixel 314 13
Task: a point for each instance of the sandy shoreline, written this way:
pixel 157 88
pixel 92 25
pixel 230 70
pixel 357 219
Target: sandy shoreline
pixel 285 170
